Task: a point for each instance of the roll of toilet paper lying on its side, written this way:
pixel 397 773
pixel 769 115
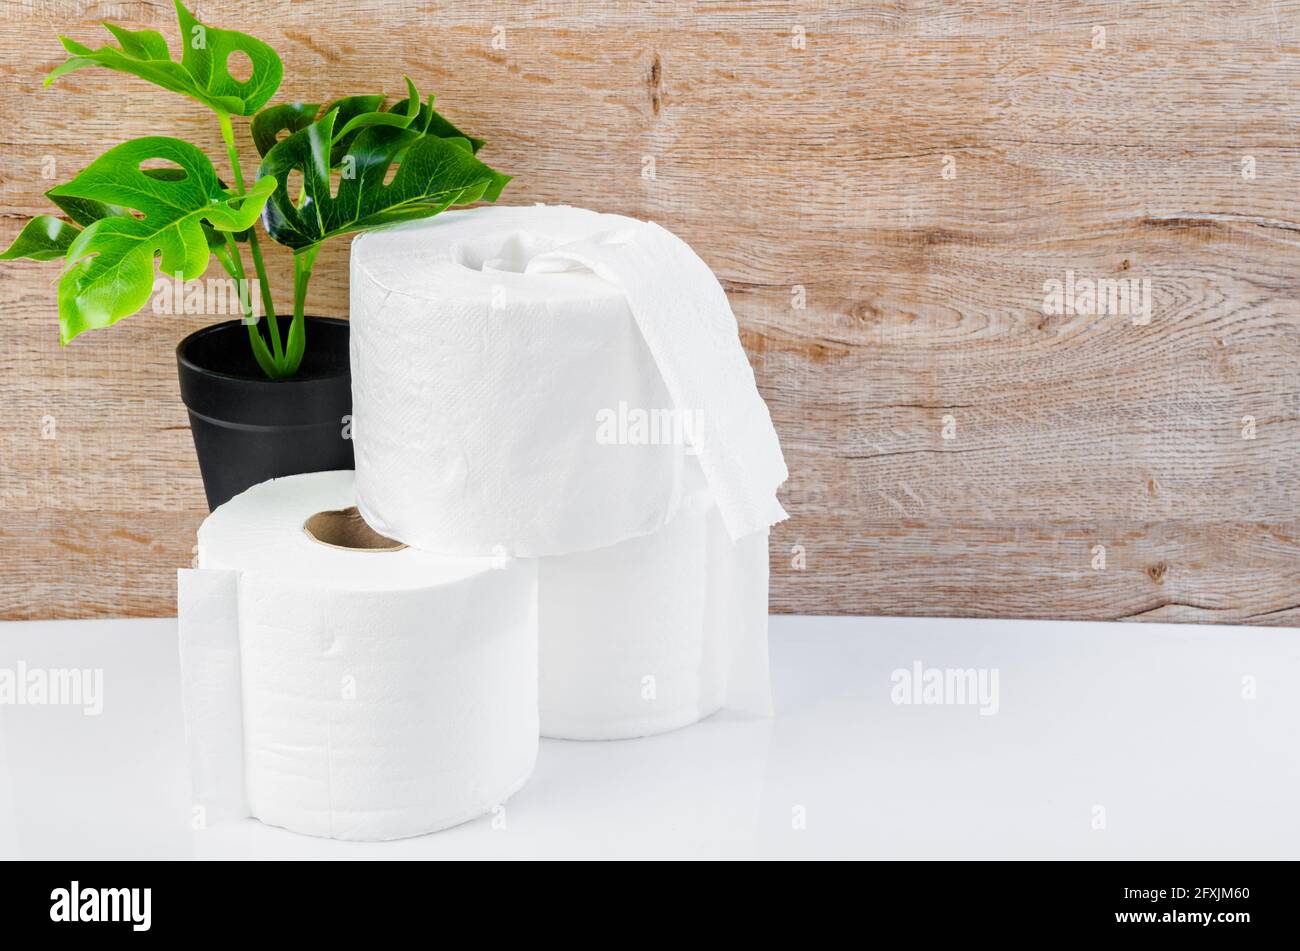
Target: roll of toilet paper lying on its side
pixel 655 633
pixel 351 694
pixel 530 381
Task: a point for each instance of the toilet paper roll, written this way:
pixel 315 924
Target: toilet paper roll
pixel 346 693
pixel 657 632
pixel 531 381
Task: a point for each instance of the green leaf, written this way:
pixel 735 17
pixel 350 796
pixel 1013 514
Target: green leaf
pixel 161 72
pixel 287 117
pixel 203 72
pixel 296 116
pixel 140 44
pixel 206 54
pixel 354 114
pixel 354 125
pixel 111 264
pixel 357 113
pixel 431 122
pixel 84 211
pixel 433 174
pixel 42 239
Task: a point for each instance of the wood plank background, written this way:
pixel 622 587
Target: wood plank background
pixel 795 145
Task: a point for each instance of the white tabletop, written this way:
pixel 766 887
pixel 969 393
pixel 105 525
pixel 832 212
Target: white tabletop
pixel 1108 740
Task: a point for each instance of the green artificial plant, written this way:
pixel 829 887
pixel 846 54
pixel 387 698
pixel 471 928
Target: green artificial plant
pixel 123 219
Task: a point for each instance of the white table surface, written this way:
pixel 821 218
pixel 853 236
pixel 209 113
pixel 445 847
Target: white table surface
pixel 1146 721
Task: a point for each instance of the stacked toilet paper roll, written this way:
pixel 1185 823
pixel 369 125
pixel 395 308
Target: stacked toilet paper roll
pixel 566 385
pixel 476 389
pixel 552 409
pixel 338 687
pixel 655 632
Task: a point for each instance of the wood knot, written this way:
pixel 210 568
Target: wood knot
pixel 1157 571
pixel 865 312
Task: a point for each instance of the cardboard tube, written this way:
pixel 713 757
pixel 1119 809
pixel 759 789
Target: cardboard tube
pixel 346 529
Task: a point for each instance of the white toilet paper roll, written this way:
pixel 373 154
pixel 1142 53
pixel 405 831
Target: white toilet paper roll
pixel 363 694
pixel 527 380
pixel 655 633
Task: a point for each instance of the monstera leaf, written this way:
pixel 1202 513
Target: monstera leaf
pixel 45 237
pixel 432 174
pixel 42 239
pixel 86 212
pixel 354 114
pixel 290 117
pixel 430 122
pixel 111 263
pixel 202 73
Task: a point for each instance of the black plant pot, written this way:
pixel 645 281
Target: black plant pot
pixel 248 429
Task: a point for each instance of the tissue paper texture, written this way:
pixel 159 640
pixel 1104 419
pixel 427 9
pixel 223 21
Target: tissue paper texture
pixel 490 351
pixel 379 695
pixel 656 632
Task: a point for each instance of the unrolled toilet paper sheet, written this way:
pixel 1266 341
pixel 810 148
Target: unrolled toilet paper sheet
pixel 686 321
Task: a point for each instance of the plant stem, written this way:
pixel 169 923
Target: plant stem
pixel 264 287
pixel 303 261
pixel 268 305
pixel 230 260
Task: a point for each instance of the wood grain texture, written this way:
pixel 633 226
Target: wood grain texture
pixel 814 171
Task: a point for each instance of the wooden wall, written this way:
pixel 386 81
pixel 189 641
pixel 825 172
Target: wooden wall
pixel 910 172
